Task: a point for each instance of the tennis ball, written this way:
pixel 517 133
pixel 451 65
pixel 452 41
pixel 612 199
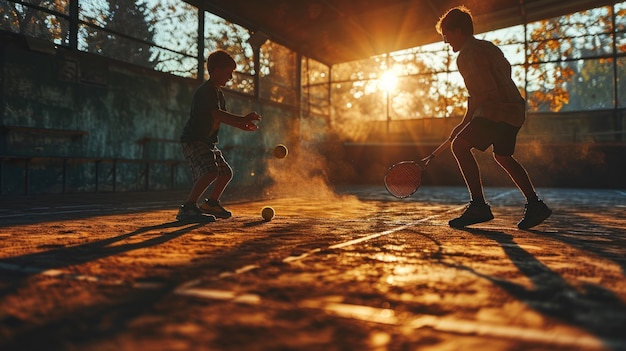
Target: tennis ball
pixel 267 213
pixel 280 151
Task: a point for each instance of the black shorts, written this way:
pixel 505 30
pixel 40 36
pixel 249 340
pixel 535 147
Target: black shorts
pixel 481 133
pixel 204 158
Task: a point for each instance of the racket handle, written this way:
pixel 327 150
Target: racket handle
pixel 440 149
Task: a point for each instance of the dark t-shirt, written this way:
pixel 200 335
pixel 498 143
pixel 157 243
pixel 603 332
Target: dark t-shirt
pixel 201 126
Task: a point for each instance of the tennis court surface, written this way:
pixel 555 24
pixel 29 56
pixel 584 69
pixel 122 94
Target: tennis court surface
pixel 353 269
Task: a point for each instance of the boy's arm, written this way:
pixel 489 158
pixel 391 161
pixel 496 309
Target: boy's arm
pixel 469 113
pixel 245 122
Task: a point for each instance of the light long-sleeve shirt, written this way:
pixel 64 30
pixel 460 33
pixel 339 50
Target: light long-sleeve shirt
pixel 487 76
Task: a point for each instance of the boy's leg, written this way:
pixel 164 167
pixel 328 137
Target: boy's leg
pixel 518 174
pixel 224 176
pixel 478 211
pixel 204 169
pixel 200 186
pixel 462 151
pixel 189 211
pixel 535 211
pixel 204 172
pixel 212 204
pixel 221 182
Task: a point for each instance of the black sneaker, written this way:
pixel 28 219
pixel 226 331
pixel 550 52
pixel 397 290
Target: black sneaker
pixel 474 213
pixel 214 208
pixel 191 213
pixel 534 214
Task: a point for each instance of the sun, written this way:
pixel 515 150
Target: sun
pixel 388 81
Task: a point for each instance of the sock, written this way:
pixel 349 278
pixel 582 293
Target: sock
pixel 533 200
pixel 479 201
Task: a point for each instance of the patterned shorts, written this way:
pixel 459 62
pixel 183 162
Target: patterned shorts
pixel 204 158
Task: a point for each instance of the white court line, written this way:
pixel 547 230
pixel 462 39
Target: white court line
pixel 349 242
pixel 369 237
pixel 186 287
pixel 386 232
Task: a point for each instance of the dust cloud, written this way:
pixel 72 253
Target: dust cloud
pixel 304 173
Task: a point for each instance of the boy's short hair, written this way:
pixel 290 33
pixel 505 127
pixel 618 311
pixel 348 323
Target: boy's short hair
pixel 459 17
pixel 219 58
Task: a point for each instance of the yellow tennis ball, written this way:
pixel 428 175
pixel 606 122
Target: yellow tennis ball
pixel 280 151
pixel 267 213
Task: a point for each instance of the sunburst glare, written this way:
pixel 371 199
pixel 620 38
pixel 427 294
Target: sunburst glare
pixel 388 81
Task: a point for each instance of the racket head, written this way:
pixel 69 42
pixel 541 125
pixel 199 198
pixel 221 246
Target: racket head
pixel 403 178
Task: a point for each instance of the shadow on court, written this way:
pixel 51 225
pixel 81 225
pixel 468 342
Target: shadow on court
pixel 358 271
pixel 552 295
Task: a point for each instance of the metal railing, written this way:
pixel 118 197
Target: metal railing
pixel 26 163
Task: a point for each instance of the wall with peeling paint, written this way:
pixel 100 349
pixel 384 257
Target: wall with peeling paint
pixel 108 121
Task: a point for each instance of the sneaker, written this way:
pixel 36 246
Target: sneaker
pixel 214 208
pixel 474 213
pixel 534 214
pixel 191 213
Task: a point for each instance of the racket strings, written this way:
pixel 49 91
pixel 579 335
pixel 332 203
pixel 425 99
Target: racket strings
pixel 403 179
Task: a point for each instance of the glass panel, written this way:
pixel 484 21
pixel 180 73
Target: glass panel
pixel 314 72
pixel 571 86
pixel 578 35
pixel 172 62
pixel 241 82
pixel 58 6
pixel 356 70
pixel 93 12
pixel 172 24
pixel 158 35
pixel 352 103
pixel 315 88
pixel 519 77
pixel 278 74
pixel 620 26
pixel 221 34
pixel 571 48
pixel 591 87
pixel 102 42
pixel 510 40
pixel 547 86
pixel 316 101
pixel 621 81
pixel 428 58
pixel 28 21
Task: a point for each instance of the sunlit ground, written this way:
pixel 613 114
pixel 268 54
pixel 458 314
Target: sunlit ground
pixel 354 269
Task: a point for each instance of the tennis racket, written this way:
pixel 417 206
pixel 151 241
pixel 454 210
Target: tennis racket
pixel 405 177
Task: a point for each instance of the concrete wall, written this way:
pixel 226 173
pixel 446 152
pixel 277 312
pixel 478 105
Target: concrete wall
pixel 77 122
pixel 549 165
pixel 558 150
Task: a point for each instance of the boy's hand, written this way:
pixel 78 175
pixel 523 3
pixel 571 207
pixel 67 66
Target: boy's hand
pixel 249 120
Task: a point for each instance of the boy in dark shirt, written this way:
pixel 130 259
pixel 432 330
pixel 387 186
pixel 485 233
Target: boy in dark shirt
pixel 200 138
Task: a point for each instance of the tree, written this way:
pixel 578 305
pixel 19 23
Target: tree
pixel 30 22
pixel 557 61
pixel 128 19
